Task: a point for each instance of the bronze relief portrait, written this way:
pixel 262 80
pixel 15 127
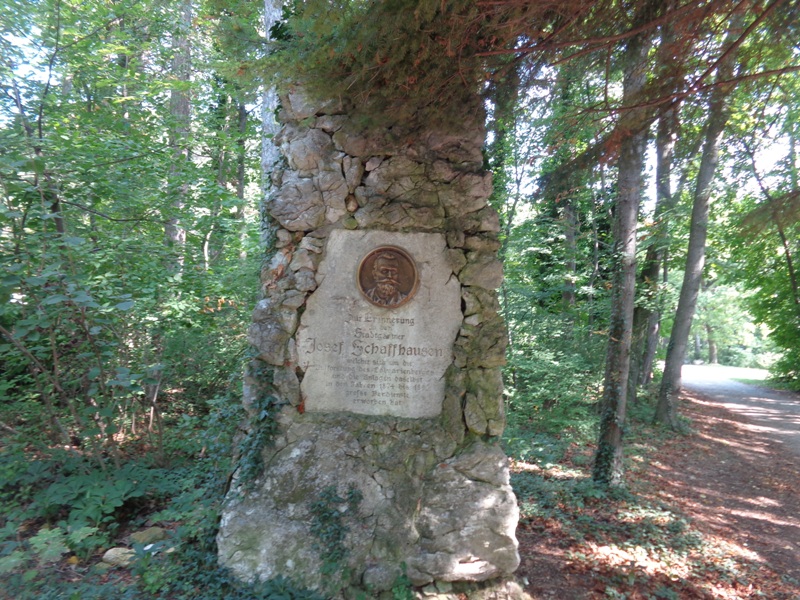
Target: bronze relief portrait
pixel 387 277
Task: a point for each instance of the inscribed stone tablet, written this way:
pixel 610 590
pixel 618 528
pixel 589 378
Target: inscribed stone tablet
pixel 377 334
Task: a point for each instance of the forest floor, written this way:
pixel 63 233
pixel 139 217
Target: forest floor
pixel 714 513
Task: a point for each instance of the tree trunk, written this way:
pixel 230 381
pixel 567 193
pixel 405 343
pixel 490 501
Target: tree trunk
pixel 649 318
pixel 570 218
pixel 269 128
pixel 180 111
pixel 666 409
pixel 507 182
pixel 787 248
pixel 650 348
pixel 595 258
pixel 698 349
pixel 712 345
pixel 788 256
pixel 608 459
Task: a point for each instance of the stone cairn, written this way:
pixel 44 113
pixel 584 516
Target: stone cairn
pixel 432 498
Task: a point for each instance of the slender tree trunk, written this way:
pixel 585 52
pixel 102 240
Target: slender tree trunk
pixel 180 111
pixel 661 249
pixel 558 194
pixel 608 466
pixel 666 409
pixel 595 257
pixel 647 316
pixel 241 151
pixel 44 182
pixel 241 155
pixel 779 218
pixel 712 345
pixel 787 248
pixel 647 319
pixel 269 128
pixel 508 177
pixel 788 256
pixel 570 219
pixel 650 348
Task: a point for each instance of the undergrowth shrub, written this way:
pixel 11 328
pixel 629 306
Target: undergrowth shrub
pixel 553 376
pixel 57 503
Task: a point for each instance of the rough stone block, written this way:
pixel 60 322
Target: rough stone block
pixel 309 152
pixel 298 205
pixel 353 170
pixel 482 270
pixel 296 105
pixel 484 410
pixel 119 557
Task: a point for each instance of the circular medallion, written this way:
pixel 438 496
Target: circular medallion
pixel 387 277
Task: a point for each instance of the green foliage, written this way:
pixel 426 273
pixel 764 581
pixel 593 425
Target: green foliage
pixel 553 377
pixel 762 266
pixel 81 501
pixel 260 431
pixel 194 571
pixel 70 489
pixel 328 526
pixel 402 57
pixel 402 587
pixel 118 339
pixel 101 319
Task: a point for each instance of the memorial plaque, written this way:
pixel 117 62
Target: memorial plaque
pixel 377 334
pixel 388 277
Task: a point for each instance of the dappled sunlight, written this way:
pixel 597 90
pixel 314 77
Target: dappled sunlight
pixel 762 501
pixel 636 559
pixel 718 507
pixel 759 410
pixel 762 516
pixel 707 515
pixel 556 471
pixel 771 409
pixel 743 446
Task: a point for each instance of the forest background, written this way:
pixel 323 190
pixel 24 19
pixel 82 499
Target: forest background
pixel 645 171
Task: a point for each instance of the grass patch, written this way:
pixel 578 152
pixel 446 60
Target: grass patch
pixel 771 384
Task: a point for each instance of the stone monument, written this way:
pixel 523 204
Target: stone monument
pixel 379 348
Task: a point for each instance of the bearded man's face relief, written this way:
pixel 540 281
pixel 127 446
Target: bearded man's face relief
pixel 386 279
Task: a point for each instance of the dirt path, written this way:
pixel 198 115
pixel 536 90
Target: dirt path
pixel 736 477
pixel 774 413
pixel 742 477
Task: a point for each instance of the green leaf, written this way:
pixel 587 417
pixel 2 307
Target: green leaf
pixel 12 561
pixel 80 534
pixel 30 575
pixel 124 305
pixel 49 544
pixel 82 298
pixel 55 299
